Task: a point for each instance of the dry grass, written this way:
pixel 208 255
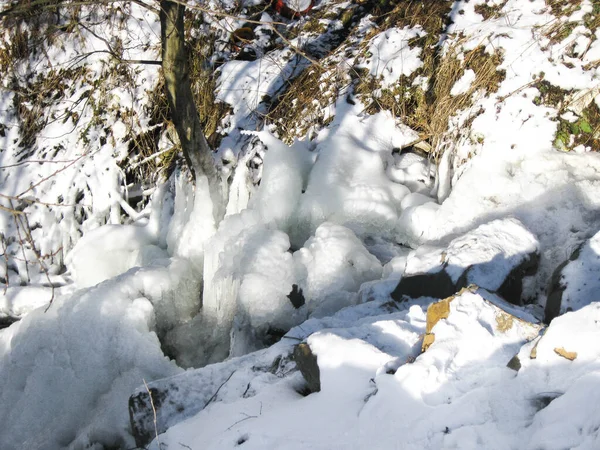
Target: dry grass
pixel 432 15
pixel 563 7
pixel 490 11
pixel 33 97
pixel 429 111
pixel 301 107
pixel 143 147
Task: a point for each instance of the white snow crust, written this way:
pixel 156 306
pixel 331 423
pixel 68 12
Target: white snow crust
pixel 136 293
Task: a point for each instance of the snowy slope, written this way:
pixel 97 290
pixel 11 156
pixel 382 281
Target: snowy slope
pixel 359 145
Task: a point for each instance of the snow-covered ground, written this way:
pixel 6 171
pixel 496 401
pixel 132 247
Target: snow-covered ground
pixel 339 210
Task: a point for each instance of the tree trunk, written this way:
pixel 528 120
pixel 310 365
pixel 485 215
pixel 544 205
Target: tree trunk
pixel 175 67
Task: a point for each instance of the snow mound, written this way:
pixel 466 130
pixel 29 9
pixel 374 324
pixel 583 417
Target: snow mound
pixel 268 378
pixel 413 171
pixel 111 250
pixel 554 195
pixel 334 263
pixel 569 385
pixel 348 184
pixel 491 251
pixel 377 387
pixel 19 301
pixel 69 370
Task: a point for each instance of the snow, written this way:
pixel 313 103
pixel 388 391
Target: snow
pixel 18 301
pixel 413 171
pixel 284 178
pixel 552 194
pixel 336 219
pixel 374 388
pixel 464 83
pixel 391 55
pixel 334 263
pixel 298 5
pixel 366 200
pixel 81 358
pixel 579 277
pixel 505 240
pixel 109 251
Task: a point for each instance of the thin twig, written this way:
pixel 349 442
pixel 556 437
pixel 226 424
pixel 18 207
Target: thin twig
pixel 241 420
pixel 37 254
pixel 21 242
pixel 247 417
pixel 38 161
pixel 33 186
pixel 5 254
pixel 215 394
pixel 153 413
pixel 10 210
pixel 32 201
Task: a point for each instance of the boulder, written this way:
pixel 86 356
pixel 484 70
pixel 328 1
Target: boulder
pixel 495 256
pixel 576 282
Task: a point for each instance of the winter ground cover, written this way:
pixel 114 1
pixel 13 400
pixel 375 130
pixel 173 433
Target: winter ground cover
pixel 363 148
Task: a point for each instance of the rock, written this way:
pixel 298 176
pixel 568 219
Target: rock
pixel 495 256
pixel 575 282
pixel 293 9
pixel 177 398
pixel 142 423
pixel 296 296
pixel 435 313
pixel 7 321
pixel 512 287
pixel 514 363
pixel 507 318
pixel 436 284
pixel 571 356
pixel 307 363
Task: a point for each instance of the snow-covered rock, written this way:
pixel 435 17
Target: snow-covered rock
pixel 64 373
pixel 495 256
pixel 247 377
pixel 377 386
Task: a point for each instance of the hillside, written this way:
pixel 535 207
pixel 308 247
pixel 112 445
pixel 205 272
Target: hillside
pixel 400 250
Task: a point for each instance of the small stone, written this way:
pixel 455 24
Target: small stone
pixel 307 363
pixel 296 296
pixel 514 363
pixel 565 354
